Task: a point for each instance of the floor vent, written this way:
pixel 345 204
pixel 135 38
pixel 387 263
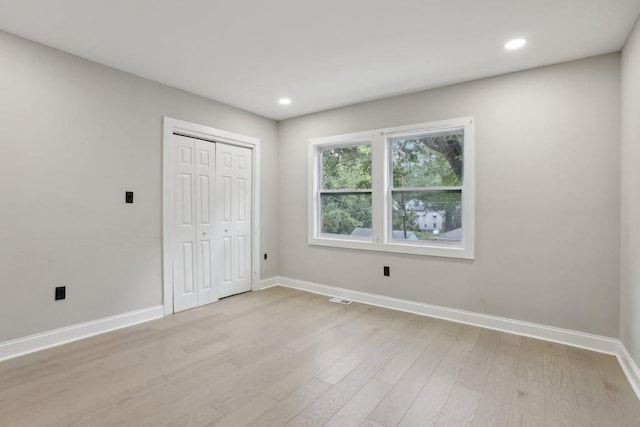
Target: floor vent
pixel 341 301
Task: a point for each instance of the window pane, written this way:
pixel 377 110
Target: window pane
pixel 430 160
pixel 346 168
pixel 346 214
pixel 432 216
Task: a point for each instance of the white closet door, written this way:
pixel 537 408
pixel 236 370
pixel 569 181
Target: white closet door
pixel 193 252
pixel 205 199
pixel 185 274
pixel 233 214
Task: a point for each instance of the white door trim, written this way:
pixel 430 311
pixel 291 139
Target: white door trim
pixel 182 127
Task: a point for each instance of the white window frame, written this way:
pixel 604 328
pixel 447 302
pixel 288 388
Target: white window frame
pixel 381 200
pixel 352 143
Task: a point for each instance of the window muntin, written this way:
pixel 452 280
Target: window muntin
pixel 434 179
pixel 426 185
pixel 345 190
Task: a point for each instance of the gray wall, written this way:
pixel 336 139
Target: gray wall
pixel 630 197
pixel 74 136
pixel 547 147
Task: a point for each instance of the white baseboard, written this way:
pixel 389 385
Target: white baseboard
pixel 630 369
pixel 269 283
pixel 548 333
pixel 41 341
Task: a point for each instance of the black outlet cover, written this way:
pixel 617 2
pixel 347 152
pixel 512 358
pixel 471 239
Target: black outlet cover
pixel 128 197
pixel 386 271
pixel 61 292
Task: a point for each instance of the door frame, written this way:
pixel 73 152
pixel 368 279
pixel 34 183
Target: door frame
pixel 172 126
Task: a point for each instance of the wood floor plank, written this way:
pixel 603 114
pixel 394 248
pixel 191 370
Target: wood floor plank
pixel 560 403
pixel 527 404
pixel 330 402
pixel 255 380
pixel 246 414
pixel 477 368
pixel 397 366
pixel 494 407
pixel 287 357
pixel 428 405
pixel 370 423
pixel 83 396
pixel 202 415
pixel 393 407
pixel 355 411
pixel 300 375
pixel 618 388
pixel 287 409
pixel 595 406
pixel 56 380
pixel 182 401
pixel 630 412
pixel 122 407
pixel 324 334
pixel 340 369
pixel 460 408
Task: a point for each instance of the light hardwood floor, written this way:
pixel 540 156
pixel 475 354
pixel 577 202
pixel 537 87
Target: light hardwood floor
pixel 283 357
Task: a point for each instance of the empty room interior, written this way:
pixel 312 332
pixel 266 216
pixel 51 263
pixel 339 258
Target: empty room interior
pixel 303 213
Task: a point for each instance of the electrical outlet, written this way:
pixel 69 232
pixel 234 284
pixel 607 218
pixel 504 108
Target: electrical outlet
pixel 128 197
pixel 265 256
pixel 386 271
pixel 61 292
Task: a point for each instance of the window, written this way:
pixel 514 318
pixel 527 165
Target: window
pixel 426 175
pixel 408 189
pixel 345 190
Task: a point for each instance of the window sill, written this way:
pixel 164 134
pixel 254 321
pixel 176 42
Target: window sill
pixel 446 251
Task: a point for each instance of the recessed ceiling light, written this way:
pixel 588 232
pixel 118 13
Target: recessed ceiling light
pixel 515 44
pixel 284 101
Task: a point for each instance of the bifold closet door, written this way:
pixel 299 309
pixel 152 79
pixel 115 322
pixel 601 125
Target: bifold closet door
pixel 233 216
pixel 194 267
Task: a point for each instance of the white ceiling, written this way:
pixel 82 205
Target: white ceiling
pixel 322 53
